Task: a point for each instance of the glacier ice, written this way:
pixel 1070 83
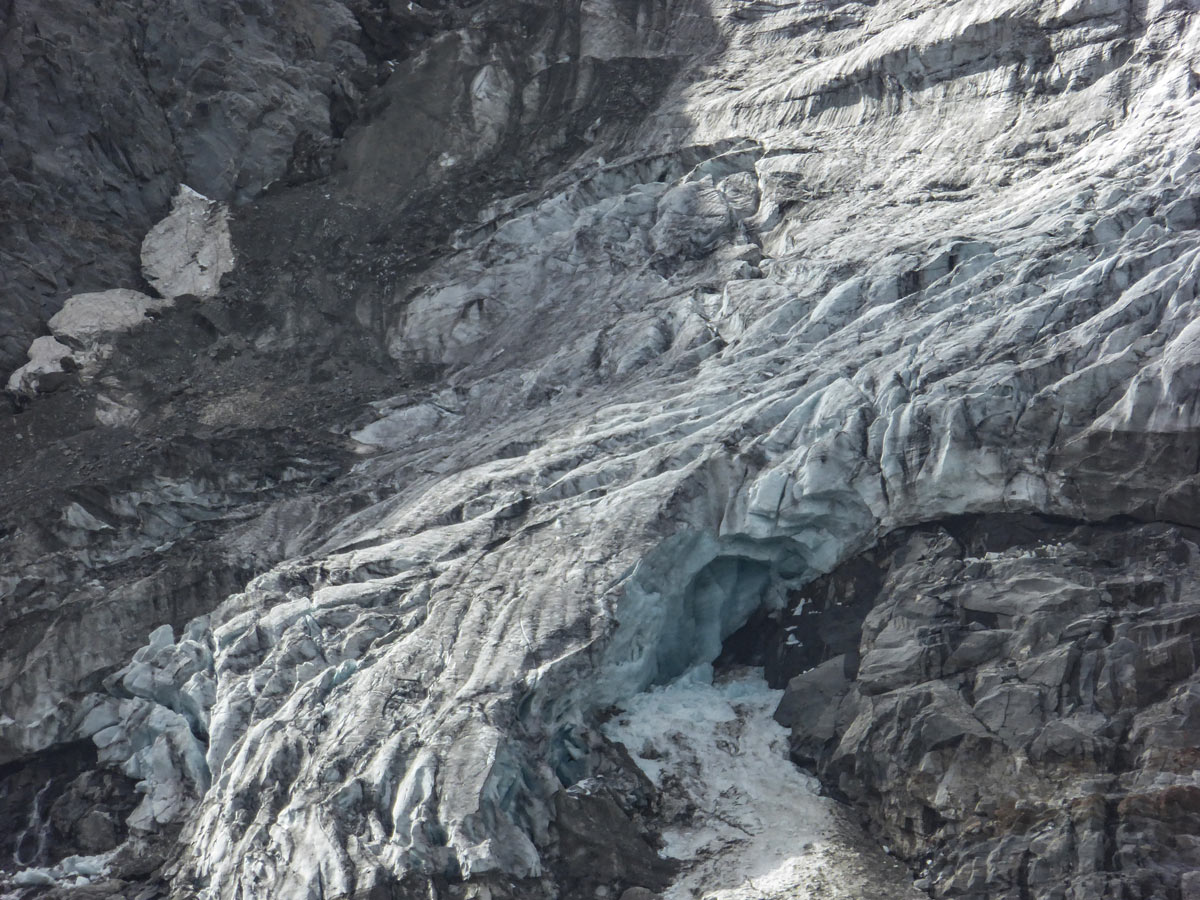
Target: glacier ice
pixel 839 281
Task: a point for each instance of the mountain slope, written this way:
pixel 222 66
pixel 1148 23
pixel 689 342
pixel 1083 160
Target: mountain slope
pixel 600 331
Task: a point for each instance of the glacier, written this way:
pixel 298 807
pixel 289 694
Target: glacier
pixel 594 336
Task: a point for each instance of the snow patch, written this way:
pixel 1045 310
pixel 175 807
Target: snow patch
pixel 191 249
pixel 46 357
pixel 89 317
pixel 398 427
pixel 72 870
pixel 747 823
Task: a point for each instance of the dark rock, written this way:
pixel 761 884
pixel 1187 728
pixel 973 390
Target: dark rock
pixel 89 816
pixel 810 695
pixel 1050 753
pixel 599 845
pixel 59 804
pixel 106 108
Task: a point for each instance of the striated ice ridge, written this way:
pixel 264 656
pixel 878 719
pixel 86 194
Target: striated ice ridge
pixel 1004 372
pixel 965 376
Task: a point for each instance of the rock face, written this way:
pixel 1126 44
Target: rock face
pixel 107 107
pixel 1023 708
pixel 573 344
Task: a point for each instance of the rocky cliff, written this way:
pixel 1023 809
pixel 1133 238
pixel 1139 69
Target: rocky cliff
pixel 422 414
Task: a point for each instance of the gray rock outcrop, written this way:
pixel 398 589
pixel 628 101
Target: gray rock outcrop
pixel 1023 714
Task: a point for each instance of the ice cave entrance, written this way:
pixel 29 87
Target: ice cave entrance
pixel 703 627
pixel 684 599
pixel 699 599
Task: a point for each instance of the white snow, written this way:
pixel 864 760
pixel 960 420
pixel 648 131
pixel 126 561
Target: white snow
pixel 758 828
pixel 69 870
pixel 46 356
pixel 189 250
pixel 89 317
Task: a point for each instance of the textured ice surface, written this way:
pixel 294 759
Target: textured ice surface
pixel 753 825
pixel 862 268
pixel 775 426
